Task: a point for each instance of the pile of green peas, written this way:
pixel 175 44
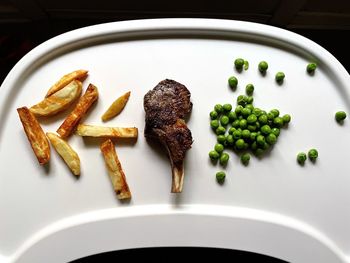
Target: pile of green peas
pixel 244 129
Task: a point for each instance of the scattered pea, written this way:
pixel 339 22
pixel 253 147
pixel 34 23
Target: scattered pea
pixel 220 177
pixel 231 130
pixel 214 155
pixel 224 120
pixel 246 112
pixel 340 116
pixel 239 63
pixel 263 119
pixel 251 119
pixel 271 139
pixel 263 66
pixel 240 144
pixel 224 158
pixel 233 82
pixel 227 107
pixel 301 158
pixel 243 124
pixel 286 118
pixel 278 121
pixel 229 140
pixel 311 67
pixel 220 130
pixel 214 124
pixel 237 134
pixel 313 154
pixel 249 89
pixel 213 115
pixel 275 113
pixel 218 108
pixel 219 147
pixel 280 77
pixel 245 134
pixel 238 109
pixel 232 115
pixel 245 158
pixel 235 124
pixel 266 129
pixel 221 139
pixel 275 131
pixel 246 65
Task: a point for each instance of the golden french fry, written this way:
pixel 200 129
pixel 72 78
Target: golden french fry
pixel 112 132
pixel 35 135
pixel 58 101
pixel 116 107
pixel 115 170
pixel 78 74
pixel 69 156
pixel 83 105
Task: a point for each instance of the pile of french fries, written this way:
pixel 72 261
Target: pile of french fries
pixel 60 97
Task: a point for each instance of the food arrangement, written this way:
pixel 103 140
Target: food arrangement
pixel 58 98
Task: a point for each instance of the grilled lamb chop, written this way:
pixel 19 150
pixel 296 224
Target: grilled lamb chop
pixel 166 107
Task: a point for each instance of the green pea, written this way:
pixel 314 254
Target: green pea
pixel 214 155
pixel 218 108
pixel 214 124
pixel 224 158
pixel 246 65
pixel 253 136
pixel 240 143
pixel 280 77
pixel 313 154
pixel 246 112
pixel 213 115
pixel 251 128
pixel 249 89
pixel 266 129
pixel 221 139
pixel 254 146
pixel 220 130
pixel 340 116
pixel 286 118
pixel 275 131
pixel 249 106
pixel 233 82
pixel 229 140
pixel 245 158
pixel 227 107
pixel 232 116
pixel 251 119
pixel 259 152
pixel 224 120
pixel 257 125
pixel 278 121
pixel 237 134
pixel 260 139
pixel 238 109
pixel 301 158
pixel 235 124
pixel 231 130
pixel 311 67
pixel 270 116
pixel 239 63
pixel 250 100
pixel 263 66
pixel 245 134
pixel 271 139
pixel 219 147
pixel 257 112
pixel 265 146
pixel 242 100
pixel 243 124
pixel 263 119
pixel 275 112
pixel 220 177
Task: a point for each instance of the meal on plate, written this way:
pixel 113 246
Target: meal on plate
pixel 115 170
pixel 59 100
pixel 69 156
pixel 83 105
pixel 111 132
pixel 66 79
pixel 35 135
pixel 166 106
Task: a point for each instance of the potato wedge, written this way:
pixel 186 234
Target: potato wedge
pixel 35 135
pixel 116 107
pixel 111 132
pixel 83 105
pixel 58 101
pixel 69 156
pixel 78 74
pixel 115 170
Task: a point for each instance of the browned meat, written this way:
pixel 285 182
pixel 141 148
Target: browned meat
pixel 166 107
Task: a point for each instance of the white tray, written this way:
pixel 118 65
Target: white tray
pixel 273 207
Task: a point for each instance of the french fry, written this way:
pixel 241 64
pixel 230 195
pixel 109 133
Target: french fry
pixel 83 105
pixel 59 100
pixel 78 74
pixel 115 170
pixel 35 135
pixel 111 132
pixel 69 156
pixel 116 107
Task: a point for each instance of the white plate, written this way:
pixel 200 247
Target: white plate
pixel 273 206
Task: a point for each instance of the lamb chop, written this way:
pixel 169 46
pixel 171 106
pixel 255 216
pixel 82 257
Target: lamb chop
pixel 166 107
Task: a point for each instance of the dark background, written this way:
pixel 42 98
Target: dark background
pixel 26 23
